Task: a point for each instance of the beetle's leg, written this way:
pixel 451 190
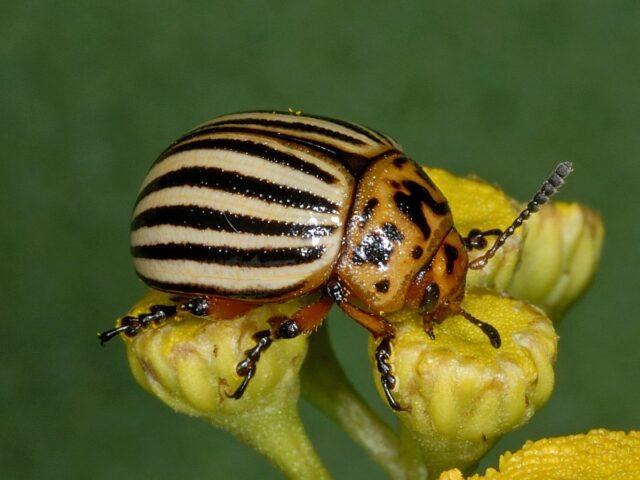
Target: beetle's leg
pixel 305 320
pixel 376 325
pixel 247 367
pixel 379 328
pixel 383 352
pixel 476 239
pixel 427 325
pixel 130 325
pixel 222 308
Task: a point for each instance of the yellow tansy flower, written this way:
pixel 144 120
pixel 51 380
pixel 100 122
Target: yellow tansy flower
pixel 597 455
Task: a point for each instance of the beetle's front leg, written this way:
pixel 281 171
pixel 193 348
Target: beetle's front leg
pixel 476 239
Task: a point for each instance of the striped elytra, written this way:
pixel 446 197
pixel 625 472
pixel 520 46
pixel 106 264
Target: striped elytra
pixel 263 206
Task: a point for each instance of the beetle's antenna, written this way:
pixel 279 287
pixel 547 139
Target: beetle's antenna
pixel 549 188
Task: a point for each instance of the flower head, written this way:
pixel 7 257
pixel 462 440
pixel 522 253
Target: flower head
pixel 460 393
pixel 597 455
pixel 190 364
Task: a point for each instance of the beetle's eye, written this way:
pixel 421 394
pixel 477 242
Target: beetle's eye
pixel 431 297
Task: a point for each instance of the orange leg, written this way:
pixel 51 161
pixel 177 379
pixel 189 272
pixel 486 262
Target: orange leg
pixel 305 320
pixel 379 328
pixel 220 307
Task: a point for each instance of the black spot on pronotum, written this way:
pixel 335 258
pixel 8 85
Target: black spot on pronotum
pixel 417 252
pixel 394 184
pixel 411 205
pixel 392 232
pixel 367 211
pixel 383 285
pixel 400 161
pixel 451 255
pixel 376 248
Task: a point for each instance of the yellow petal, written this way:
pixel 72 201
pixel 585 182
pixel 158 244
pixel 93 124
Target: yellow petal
pixel 597 455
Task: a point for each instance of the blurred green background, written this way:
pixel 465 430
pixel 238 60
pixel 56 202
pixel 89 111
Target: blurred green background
pixel 91 91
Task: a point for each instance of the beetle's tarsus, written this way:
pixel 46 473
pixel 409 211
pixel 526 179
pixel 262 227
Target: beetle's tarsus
pixel 476 239
pixel 247 367
pixel 427 325
pixel 130 326
pixel 383 352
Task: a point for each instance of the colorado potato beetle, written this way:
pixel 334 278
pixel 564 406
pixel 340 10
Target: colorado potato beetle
pixel 260 207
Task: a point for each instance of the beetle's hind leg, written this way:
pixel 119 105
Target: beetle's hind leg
pixel 132 325
pixel 305 320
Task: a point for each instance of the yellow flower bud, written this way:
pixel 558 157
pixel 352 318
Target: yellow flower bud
pixel 561 253
pixel 460 393
pixel 190 364
pixel 548 262
pixel 597 455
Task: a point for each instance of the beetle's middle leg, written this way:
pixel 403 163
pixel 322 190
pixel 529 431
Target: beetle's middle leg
pixel 305 320
pixel 379 328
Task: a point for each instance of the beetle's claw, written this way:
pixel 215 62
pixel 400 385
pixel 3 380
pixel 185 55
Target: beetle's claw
pixel 130 326
pixel 383 352
pixel 247 367
pixel 107 335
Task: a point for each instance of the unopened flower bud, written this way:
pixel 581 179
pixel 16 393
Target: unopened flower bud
pixel 560 254
pixel 547 262
pixel 190 363
pixel 460 394
pixel 596 455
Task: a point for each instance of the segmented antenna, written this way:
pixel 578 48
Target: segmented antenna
pixel 546 191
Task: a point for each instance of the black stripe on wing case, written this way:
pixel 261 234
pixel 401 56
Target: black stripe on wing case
pixel 198 289
pixel 233 182
pixel 361 129
pixel 201 218
pixel 250 148
pixel 229 256
pixel 352 161
pixel 370 133
pixel 299 126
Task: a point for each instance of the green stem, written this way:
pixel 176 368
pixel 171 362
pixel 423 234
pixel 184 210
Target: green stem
pixel 325 385
pixel 414 465
pixel 278 434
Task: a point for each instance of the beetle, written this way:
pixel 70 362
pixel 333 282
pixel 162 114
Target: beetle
pixel 265 206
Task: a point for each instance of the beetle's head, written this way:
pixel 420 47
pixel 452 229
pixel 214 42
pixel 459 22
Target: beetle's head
pixel 440 284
